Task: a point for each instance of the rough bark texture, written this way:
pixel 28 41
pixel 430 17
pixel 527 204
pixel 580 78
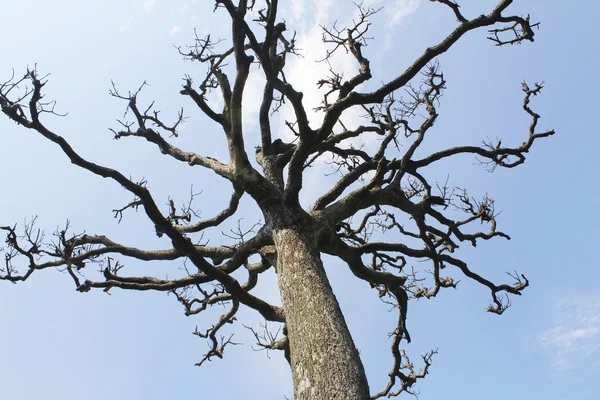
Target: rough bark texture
pixel 325 363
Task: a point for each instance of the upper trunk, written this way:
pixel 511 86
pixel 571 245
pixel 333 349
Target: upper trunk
pixel 325 363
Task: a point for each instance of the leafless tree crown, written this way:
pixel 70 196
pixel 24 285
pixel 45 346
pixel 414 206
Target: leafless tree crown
pixel 381 190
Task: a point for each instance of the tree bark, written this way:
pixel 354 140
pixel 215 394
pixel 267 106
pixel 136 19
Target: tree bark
pixel 325 363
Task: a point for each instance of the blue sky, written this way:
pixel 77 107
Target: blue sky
pixel 60 343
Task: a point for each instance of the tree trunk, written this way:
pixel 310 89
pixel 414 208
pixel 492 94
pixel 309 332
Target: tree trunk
pixel 325 363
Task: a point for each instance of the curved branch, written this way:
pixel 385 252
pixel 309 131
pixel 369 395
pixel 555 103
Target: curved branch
pixel 377 96
pixel 217 219
pixel 180 242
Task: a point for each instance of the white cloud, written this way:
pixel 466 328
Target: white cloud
pixel 575 332
pixel 174 29
pixel 127 25
pixel 323 7
pixel 396 11
pixel 297 9
pixel 150 5
pixel 399 10
pixel 306 19
pixel 253 93
pixel 182 9
pixel 304 72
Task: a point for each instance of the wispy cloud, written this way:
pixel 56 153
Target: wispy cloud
pixel 399 10
pixel 396 11
pixel 150 5
pixel 174 29
pixel 297 9
pixel 575 332
pixel 126 25
pixel 307 18
pixel 182 8
pixel 305 72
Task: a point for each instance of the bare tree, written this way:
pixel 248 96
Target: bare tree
pixel 377 191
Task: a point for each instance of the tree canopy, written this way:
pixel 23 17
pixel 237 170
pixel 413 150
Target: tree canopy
pixel 382 215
